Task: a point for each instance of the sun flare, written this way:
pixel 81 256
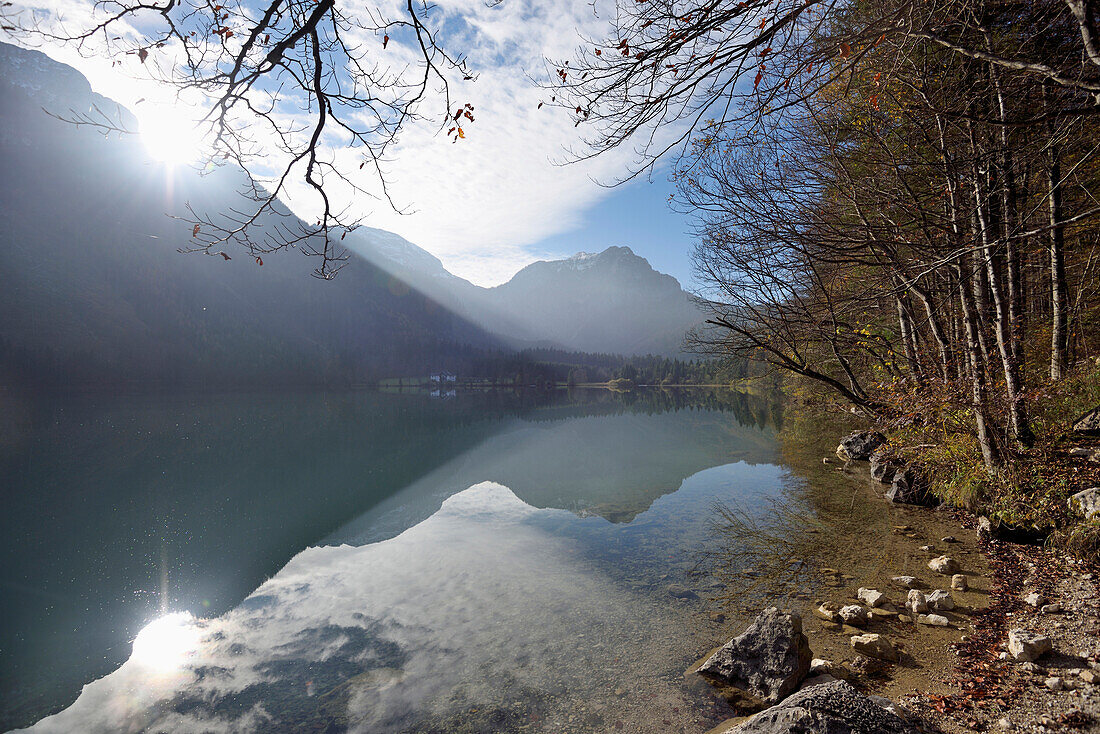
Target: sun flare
pixel 171 138
pixel 164 644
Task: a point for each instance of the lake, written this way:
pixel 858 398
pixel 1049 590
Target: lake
pixel 369 561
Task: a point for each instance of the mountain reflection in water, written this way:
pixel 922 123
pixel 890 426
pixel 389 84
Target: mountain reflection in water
pixel 464 601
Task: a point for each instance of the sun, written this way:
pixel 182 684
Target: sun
pixel 171 137
pixel 166 643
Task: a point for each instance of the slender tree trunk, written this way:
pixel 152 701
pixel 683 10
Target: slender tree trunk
pixel 946 359
pixel 908 340
pixel 1058 299
pixel 1017 409
pixel 990 454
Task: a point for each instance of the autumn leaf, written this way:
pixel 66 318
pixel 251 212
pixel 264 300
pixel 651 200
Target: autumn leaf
pixel 461 134
pixel 385 40
pixel 142 55
pixel 224 256
pixel 195 231
pixel 845 50
pixel 259 261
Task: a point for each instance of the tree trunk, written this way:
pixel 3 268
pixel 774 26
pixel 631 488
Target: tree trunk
pixel 991 456
pixel 1017 409
pixel 1059 308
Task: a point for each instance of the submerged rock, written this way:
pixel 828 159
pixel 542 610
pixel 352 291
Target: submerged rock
pixel 767 660
pixel 1025 646
pixel 829 708
pixel 860 445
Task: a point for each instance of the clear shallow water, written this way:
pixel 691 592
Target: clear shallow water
pixel 367 562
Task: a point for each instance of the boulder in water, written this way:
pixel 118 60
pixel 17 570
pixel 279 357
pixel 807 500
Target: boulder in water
pixel 767 660
pixel 884 466
pixel 859 446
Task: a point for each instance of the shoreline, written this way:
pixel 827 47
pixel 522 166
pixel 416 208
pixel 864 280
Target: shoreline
pixel 960 677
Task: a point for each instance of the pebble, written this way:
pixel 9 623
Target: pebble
pixel 935 620
pixel 1004 724
pixel 1088 676
pixel 1034 599
pixel 949 539
pixel 927 548
pixel 1051 609
pixel 1054 683
pixel 959 582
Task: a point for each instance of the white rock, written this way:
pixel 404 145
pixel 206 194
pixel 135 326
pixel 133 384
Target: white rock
pixel 1034 599
pixel 871 597
pixel 916 602
pixel 1086 502
pixel 945 565
pixel 935 620
pixel 1054 683
pixel 926 548
pixel 1004 724
pixel 959 582
pixel 941 601
pixel 906 582
pixel 875 646
pixel 1025 646
pixel 854 615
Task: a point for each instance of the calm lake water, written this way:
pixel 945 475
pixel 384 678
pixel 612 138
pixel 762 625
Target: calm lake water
pixel 368 562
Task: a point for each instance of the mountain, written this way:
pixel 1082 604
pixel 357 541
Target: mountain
pixel 612 301
pixel 600 302
pixel 95 289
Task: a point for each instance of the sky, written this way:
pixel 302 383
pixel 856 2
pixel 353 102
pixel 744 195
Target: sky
pixel 499 199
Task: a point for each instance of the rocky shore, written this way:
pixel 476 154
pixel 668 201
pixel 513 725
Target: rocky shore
pixel 979 633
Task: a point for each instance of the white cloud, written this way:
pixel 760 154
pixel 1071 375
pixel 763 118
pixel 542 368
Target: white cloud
pixel 480 204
